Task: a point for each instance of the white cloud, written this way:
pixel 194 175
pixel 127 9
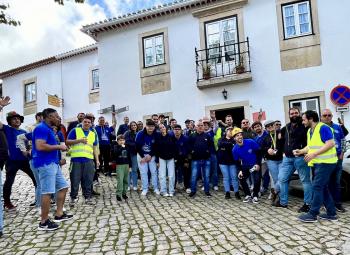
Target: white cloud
pixel 46 30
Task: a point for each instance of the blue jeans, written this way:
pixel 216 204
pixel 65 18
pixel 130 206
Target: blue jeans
pixel 334 184
pixel 274 167
pixel 133 175
pixel 321 194
pixel 287 168
pixel 144 173
pixel 200 166
pixel 38 186
pixel 214 170
pixel 165 165
pixel 230 177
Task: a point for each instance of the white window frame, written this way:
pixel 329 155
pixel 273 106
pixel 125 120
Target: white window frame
pixel 93 85
pixel 33 95
pixel 221 35
pixel 296 19
pixel 303 102
pixel 154 51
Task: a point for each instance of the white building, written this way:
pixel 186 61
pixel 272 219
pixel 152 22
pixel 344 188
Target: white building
pixel 67 82
pixel 153 60
pixel 298 52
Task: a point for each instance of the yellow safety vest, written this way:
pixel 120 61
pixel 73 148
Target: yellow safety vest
pixel 81 150
pixel 315 142
pixel 217 137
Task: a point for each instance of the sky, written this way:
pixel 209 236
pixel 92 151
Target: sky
pixel 48 29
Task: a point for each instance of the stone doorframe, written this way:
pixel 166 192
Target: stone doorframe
pixel 244 104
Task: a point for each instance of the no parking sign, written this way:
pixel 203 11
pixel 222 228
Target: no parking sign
pixel 340 95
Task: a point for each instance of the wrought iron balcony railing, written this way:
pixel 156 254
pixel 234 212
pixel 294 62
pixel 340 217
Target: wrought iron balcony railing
pixel 222 61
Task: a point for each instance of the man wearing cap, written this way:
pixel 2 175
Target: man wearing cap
pixel 247 151
pixel 16 161
pixel 272 145
pixel 188 130
pixel 247 130
pixel 145 148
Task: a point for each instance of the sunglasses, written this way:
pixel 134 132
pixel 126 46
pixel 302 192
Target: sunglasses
pixel 278 124
pixel 326 115
pixel 245 122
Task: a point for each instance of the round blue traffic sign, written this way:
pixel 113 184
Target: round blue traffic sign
pixel 340 95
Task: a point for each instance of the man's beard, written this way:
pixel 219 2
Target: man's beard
pixel 295 119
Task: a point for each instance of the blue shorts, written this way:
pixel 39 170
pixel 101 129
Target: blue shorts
pixel 51 179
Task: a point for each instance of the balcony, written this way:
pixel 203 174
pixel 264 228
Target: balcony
pixel 222 65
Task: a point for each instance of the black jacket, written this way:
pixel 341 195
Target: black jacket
pixel 121 155
pixel 165 147
pixel 224 153
pixel 294 137
pixel 130 141
pixel 200 146
pixel 266 144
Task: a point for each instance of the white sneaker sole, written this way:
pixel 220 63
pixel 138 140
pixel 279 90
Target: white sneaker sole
pixel 47 229
pixel 61 220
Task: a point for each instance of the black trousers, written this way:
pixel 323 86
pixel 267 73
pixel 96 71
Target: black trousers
pixel 12 167
pixel 183 173
pixel 256 177
pixel 105 157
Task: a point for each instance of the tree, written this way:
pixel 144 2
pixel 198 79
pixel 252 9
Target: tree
pixel 7 20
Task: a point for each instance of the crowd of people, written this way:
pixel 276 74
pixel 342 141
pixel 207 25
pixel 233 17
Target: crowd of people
pixel 253 160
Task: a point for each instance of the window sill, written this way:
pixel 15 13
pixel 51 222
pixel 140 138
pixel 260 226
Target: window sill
pixel 94 91
pixel 30 108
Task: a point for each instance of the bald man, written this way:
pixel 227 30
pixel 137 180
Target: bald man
pixel 334 184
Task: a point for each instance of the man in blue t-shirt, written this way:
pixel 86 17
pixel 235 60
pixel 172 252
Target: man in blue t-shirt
pixel 334 185
pixel 16 161
pixel 46 161
pixel 247 152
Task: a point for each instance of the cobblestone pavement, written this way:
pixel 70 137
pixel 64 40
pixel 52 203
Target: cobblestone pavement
pixel 170 225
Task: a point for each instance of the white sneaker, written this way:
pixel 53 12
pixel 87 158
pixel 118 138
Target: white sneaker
pixel 171 195
pixel 247 199
pixel 216 188
pixel 135 188
pixel 144 193
pixel 203 188
pixel 188 191
pixel 128 188
pixel 255 200
pixel 157 191
pixel 165 194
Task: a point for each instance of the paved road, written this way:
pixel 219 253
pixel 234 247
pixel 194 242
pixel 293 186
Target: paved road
pixel 177 225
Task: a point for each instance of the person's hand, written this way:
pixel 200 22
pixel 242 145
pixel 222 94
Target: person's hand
pixel 5 101
pixel 212 115
pixel 257 167
pixel 114 113
pixel 240 175
pixel 62 147
pixel 143 160
pixel 129 169
pixel 297 152
pixel 63 162
pixel 157 165
pixel 83 140
pixel 310 156
pixel 26 153
pixel 97 163
pixel 186 165
pixel 271 152
pixel 148 158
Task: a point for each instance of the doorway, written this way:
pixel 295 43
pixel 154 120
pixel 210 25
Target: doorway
pixel 237 114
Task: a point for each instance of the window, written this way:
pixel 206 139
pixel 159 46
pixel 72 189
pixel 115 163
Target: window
pixel 153 50
pixel 95 79
pixel 30 92
pixel 297 19
pixel 221 33
pixel 306 104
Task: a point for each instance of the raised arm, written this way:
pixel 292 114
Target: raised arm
pixel 4 102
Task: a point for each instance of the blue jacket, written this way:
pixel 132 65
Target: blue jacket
pixel 145 143
pixel 182 147
pixel 338 137
pixel 201 146
pixel 130 141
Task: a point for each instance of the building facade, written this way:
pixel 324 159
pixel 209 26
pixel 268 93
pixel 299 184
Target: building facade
pixel 189 57
pixel 67 82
